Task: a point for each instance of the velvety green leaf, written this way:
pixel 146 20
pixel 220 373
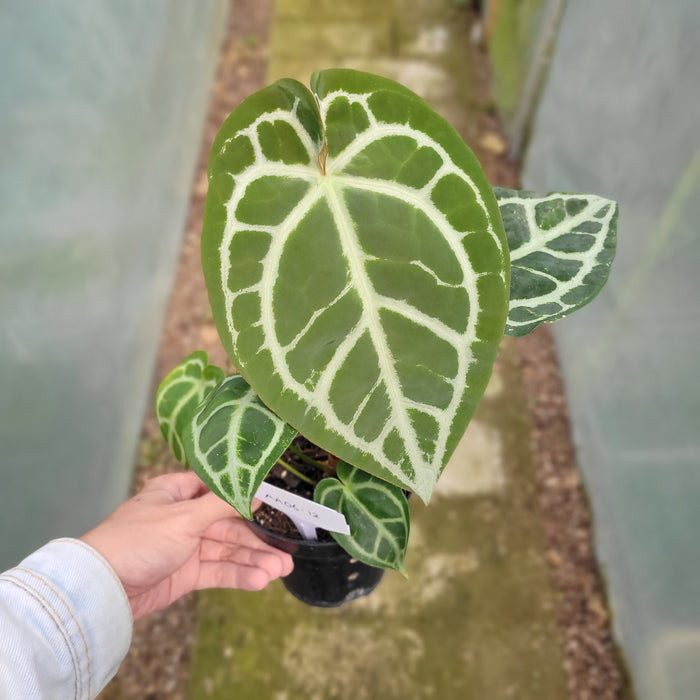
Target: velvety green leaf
pixel 561 250
pixel 232 442
pixel 377 513
pixel 359 283
pixel 179 395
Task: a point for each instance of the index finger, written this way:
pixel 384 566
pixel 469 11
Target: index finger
pixel 205 510
pixel 180 486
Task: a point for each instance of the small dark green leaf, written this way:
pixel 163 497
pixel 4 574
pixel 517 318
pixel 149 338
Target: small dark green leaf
pixel 179 395
pixel 376 511
pixel 561 250
pixel 232 442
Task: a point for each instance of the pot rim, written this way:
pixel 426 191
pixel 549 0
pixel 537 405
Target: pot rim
pixel 291 544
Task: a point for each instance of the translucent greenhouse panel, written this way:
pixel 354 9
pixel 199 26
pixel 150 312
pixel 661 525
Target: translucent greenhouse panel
pixel 101 113
pixel 622 118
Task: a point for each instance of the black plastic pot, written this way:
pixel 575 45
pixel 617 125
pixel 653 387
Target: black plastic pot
pixel 324 575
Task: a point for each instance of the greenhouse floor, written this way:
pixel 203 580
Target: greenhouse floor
pixel 476 617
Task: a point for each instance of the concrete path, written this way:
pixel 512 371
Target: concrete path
pixel 475 619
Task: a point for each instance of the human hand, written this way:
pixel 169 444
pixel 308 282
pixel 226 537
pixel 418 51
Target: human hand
pixel 176 536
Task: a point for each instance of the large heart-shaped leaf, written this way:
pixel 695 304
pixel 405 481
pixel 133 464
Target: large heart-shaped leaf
pixel 232 442
pixel 357 269
pixel 376 512
pixel 179 395
pixel 561 250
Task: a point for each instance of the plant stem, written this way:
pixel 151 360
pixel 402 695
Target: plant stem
pixel 309 460
pixel 327 469
pixel 294 471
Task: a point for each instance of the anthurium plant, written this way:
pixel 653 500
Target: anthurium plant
pixel 361 272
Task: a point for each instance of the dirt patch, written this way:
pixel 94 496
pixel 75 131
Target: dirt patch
pixel 157 665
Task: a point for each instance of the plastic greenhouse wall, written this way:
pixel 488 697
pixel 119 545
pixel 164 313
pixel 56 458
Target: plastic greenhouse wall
pixel 520 36
pixel 621 116
pixel 102 106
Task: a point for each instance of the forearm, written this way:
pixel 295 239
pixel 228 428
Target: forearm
pixel 65 623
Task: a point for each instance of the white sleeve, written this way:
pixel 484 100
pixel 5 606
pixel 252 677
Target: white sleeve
pixel 65 624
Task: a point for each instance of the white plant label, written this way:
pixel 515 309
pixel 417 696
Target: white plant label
pixel 305 514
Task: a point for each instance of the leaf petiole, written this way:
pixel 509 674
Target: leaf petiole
pixel 295 471
pixel 328 471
